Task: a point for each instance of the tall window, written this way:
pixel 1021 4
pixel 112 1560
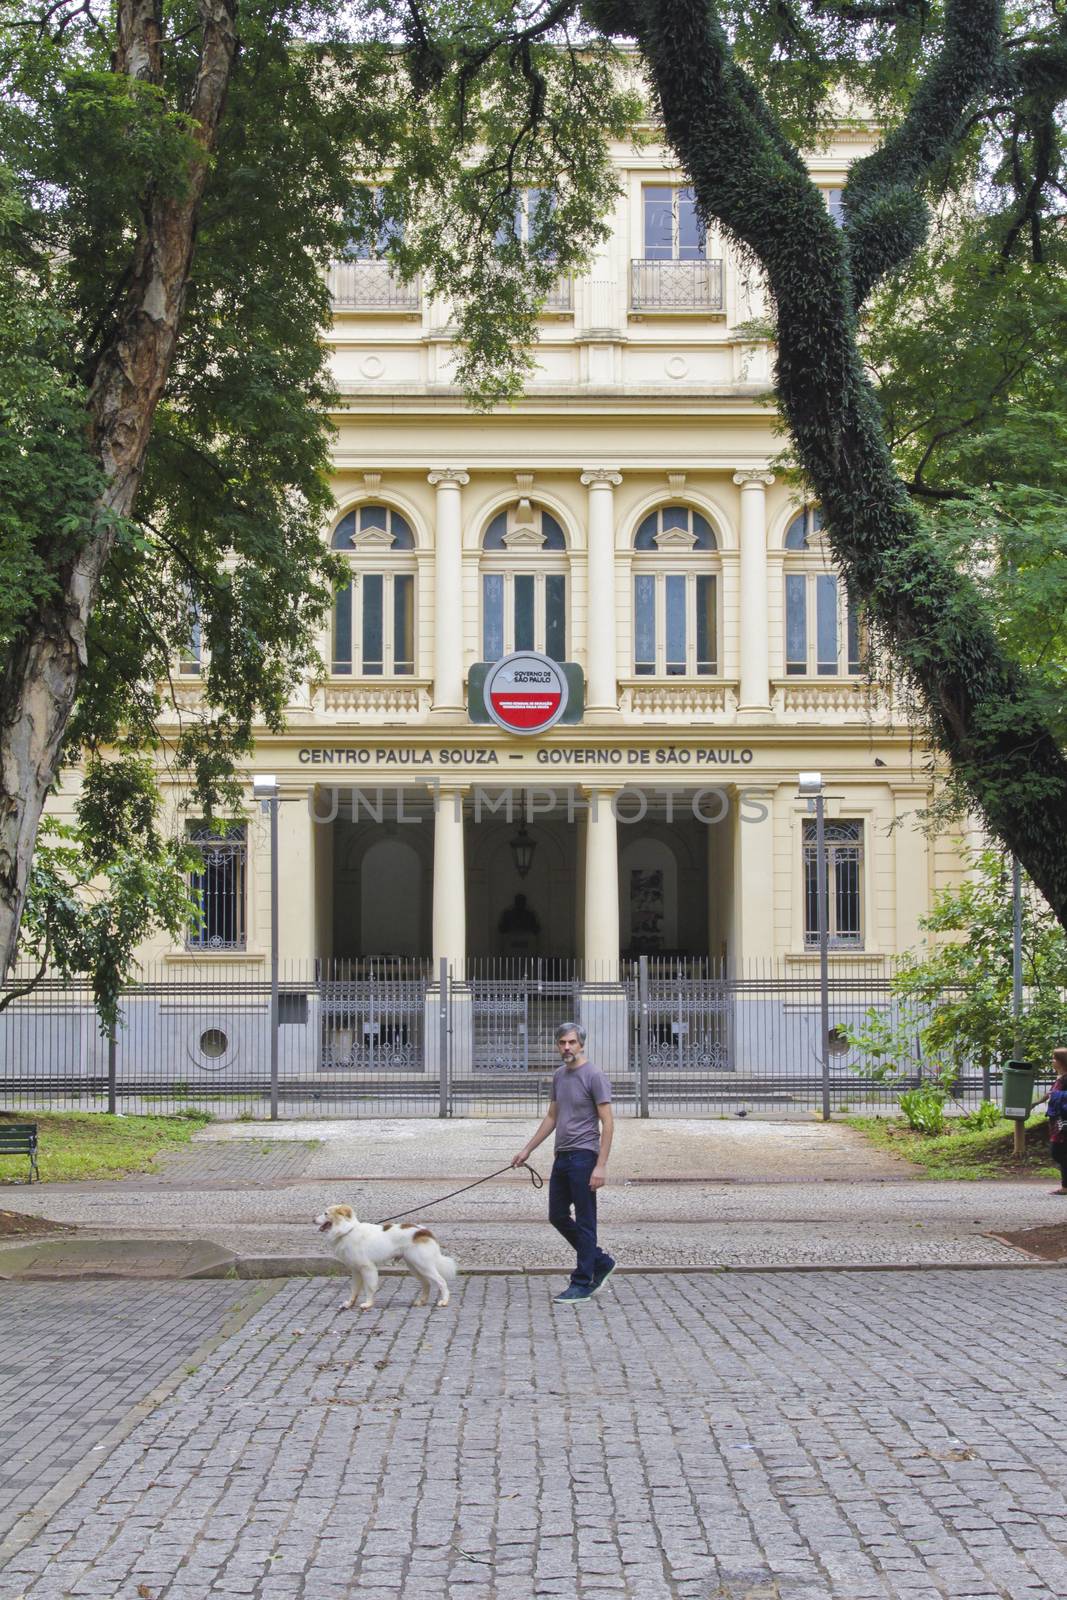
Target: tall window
pixel 673 229
pixel 218 888
pixel 524 583
pixel 676 596
pixel 532 223
pixel 822 626
pixel 844 885
pixel 374 613
pixel 373 232
pixel 190 663
pixel 835 202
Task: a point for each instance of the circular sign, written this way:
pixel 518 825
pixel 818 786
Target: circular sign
pixel 525 692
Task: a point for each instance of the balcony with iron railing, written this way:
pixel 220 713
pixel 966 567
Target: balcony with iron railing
pixel 560 298
pixel 675 287
pixel 372 286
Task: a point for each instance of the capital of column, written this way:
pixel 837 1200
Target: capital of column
pixel 592 790
pixel 602 477
pixel 753 478
pixel 450 476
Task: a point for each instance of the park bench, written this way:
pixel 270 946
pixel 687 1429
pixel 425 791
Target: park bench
pixel 20 1139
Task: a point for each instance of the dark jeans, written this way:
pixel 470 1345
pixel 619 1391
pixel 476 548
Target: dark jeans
pixel 1058 1153
pixel 569 1187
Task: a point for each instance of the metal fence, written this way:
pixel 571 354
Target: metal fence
pixel 394 1037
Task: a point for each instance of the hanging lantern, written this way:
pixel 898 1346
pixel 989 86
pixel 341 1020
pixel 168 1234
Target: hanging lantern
pixel 522 849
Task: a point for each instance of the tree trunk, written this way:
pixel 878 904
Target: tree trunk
pixel 41 677
pixel 746 175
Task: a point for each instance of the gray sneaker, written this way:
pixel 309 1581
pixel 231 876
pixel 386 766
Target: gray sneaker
pixel 600 1278
pixel 572 1295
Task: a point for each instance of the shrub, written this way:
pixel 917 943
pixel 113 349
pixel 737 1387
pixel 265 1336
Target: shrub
pixel 987 1115
pixel 924 1107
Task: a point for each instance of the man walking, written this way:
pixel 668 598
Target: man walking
pixel 580 1113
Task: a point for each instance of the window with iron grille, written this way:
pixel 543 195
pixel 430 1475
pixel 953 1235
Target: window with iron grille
pixel 844 884
pixel 218 887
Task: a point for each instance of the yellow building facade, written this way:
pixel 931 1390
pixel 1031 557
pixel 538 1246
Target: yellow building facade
pixel 625 516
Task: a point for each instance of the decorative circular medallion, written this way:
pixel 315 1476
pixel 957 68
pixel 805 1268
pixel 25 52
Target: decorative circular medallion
pixel 525 692
pixel 372 367
pixel 677 367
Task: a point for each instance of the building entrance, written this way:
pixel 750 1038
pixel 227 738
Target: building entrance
pixel 521 882
pixel 521 885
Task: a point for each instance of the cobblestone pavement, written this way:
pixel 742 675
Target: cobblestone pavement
pixel 251 1163
pixel 807 1437
pixel 74 1358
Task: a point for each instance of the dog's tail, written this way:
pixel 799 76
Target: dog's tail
pixel 448 1266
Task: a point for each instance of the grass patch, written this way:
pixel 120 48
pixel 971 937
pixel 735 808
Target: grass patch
pixel 90 1144
pixel 965 1153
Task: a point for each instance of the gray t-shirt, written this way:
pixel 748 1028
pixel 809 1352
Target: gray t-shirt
pixel 577 1092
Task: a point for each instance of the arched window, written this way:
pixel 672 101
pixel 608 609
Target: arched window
pixel 822 627
pixel 676 595
pixel 374 613
pixel 524 583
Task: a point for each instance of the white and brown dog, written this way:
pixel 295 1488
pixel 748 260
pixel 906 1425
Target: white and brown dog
pixel 363 1246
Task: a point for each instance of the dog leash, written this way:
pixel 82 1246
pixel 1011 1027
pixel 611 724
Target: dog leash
pixel 535 1178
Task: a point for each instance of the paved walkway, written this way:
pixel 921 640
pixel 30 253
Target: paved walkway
pixel 768 1437
pixel 685 1193
pixel 76 1357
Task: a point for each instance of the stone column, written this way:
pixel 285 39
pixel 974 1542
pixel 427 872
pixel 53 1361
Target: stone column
pixel 601 944
pixel 601 662
pixel 753 886
pixel 911 850
pixel 755 689
pixel 448 589
pixel 761 1025
pixel 449 884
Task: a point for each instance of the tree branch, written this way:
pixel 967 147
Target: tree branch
pixel 982 711
pixel 887 217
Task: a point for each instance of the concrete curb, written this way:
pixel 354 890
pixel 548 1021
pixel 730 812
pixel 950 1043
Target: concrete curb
pixel 120 1257
pixel 312 1267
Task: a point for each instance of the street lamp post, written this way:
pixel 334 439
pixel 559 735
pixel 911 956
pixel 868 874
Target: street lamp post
pixel 265 789
pixel 811 788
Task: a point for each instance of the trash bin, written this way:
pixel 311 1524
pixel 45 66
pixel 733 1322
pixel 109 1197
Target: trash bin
pixel 1017 1088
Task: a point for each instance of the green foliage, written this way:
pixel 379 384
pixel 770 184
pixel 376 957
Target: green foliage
pixel 963 980
pixel 77 1145
pixel 952 1002
pixel 478 111
pixel 48 482
pixel 227 535
pixel 982 710
pixel 970 352
pixel 924 1107
pixel 99 889
pixel 891 1048
pixel 984 1116
pixel 961 1153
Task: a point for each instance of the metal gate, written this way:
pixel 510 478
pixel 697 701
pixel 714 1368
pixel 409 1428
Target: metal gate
pixel 500 1032
pixel 394 1037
